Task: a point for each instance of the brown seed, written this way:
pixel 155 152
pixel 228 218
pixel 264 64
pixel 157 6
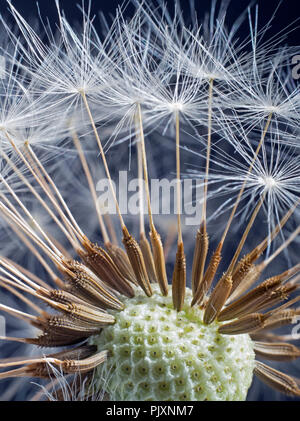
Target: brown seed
pixel 208 277
pixel 250 278
pixel 276 379
pixel 84 365
pixel 39 367
pixel 281 318
pixel 249 301
pixel 136 259
pixel 246 324
pixel 53 340
pixel 121 260
pixel 159 261
pixel 65 327
pixel 148 258
pixel 179 279
pixel 280 294
pixel 199 259
pixel 277 351
pixel 217 299
pixel 84 289
pixel 104 267
pixel 85 313
pixel 241 270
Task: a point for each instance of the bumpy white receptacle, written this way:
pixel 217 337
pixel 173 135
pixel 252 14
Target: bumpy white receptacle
pixel 159 354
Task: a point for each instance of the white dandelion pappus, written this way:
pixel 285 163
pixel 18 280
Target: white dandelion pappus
pixel 67 65
pixel 275 173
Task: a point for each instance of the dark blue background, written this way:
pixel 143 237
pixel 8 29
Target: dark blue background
pixel 287 13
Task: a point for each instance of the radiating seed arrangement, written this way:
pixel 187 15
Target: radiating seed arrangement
pixel 125 326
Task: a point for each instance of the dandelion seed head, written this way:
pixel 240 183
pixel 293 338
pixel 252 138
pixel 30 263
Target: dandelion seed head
pixel 117 324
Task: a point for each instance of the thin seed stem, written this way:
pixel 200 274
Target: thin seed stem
pixel 70 237
pixel 103 158
pixel 16 215
pixel 26 241
pixel 202 239
pixel 27 272
pixel 178 181
pixel 55 256
pixel 145 167
pixel 208 151
pixel 91 186
pixel 144 243
pixel 282 247
pixel 245 234
pixel 39 178
pixel 57 192
pixel 158 253
pixel 141 186
pixel 246 178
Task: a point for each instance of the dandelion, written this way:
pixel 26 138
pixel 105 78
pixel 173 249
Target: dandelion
pixel 110 324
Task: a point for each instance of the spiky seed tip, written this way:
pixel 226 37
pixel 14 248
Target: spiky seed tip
pixel 157 353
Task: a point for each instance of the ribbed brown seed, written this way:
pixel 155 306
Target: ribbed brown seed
pixel 82 351
pixel 217 299
pixel 199 259
pixel 136 259
pixel 246 324
pixel 179 279
pixel 80 296
pixel 91 291
pixel 41 367
pixel 68 366
pixel 60 296
pixel 74 268
pixel 86 313
pixel 66 327
pixel 122 262
pixel 77 327
pixel 208 277
pixel 84 365
pixel 103 266
pixel 241 270
pixel 53 340
pixel 249 279
pixel 281 318
pixel 148 258
pixel 280 294
pixel 244 266
pixel 159 261
pixel 245 303
pixel 84 296
pixel 60 331
pixel 277 351
pixel 265 336
pixel 276 379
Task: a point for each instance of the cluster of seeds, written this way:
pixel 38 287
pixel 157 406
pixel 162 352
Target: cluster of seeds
pixel 127 327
